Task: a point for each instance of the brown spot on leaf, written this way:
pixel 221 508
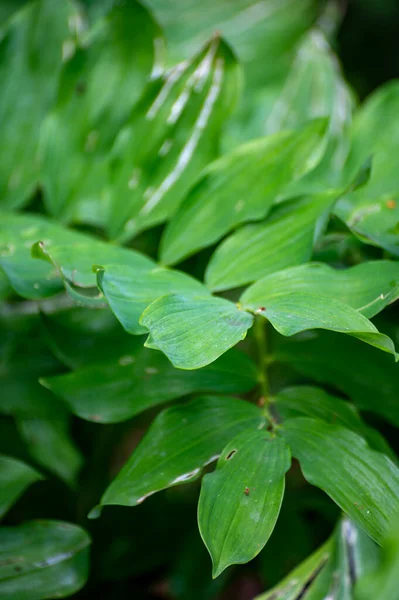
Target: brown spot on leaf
pixel 391 204
pixel 246 491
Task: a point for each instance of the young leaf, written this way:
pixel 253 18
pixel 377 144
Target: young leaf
pixel 367 287
pixel 283 240
pixel 194 331
pixel 116 391
pixel 364 483
pixel 43 559
pixel 129 292
pixel 78 133
pixel 222 199
pixel 179 443
pixel 29 77
pixel 240 501
pixel 369 377
pixel 172 134
pixel 15 477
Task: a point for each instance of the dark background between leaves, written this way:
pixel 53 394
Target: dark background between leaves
pixel 154 551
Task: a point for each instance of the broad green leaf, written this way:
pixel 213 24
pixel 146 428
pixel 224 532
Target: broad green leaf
pixel 194 331
pixel 28 76
pixel 118 390
pixel 284 239
pixel 43 424
pixel 300 579
pixel 77 135
pixel 382 582
pixel 271 29
pixel 372 212
pixel 129 292
pixel 309 401
pixel 367 287
pixel 71 255
pixel 170 137
pixel 293 312
pixel 364 483
pixel 179 443
pixel 81 336
pixel 222 199
pixel 240 501
pixel 369 377
pixel 15 477
pixel 43 559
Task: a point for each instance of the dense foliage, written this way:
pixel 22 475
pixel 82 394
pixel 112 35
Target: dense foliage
pixel 198 258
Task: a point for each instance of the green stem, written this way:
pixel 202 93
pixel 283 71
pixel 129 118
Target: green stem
pixel 261 340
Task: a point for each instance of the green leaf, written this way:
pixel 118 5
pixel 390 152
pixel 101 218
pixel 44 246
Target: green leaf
pixel 179 443
pixel 382 582
pixel 271 30
pixel 116 391
pixel 44 426
pixel 369 377
pixel 332 570
pixel 171 136
pixel 43 559
pixel 70 254
pixel 367 287
pixel 81 336
pixel 222 199
pixel 240 501
pixel 129 292
pixel 15 477
pixel 372 212
pixel 364 483
pixel 29 77
pixel 301 577
pixel 292 312
pixel 283 240
pixel 309 401
pixel 194 331
pixel 78 133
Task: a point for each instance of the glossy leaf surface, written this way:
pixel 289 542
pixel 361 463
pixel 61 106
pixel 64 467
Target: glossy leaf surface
pixel 129 291
pixel 42 559
pixel 364 483
pixel 222 199
pixel 15 477
pixel 195 330
pixel 240 501
pixel 283 240
pixel 116 391
pixel 367 287
pixel 179 443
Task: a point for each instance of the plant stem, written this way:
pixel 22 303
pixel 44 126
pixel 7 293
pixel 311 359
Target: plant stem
pixel 261 339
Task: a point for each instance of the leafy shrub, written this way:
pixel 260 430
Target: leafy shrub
pixel 196 247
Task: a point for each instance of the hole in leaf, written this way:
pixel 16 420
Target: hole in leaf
pixel 231 454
